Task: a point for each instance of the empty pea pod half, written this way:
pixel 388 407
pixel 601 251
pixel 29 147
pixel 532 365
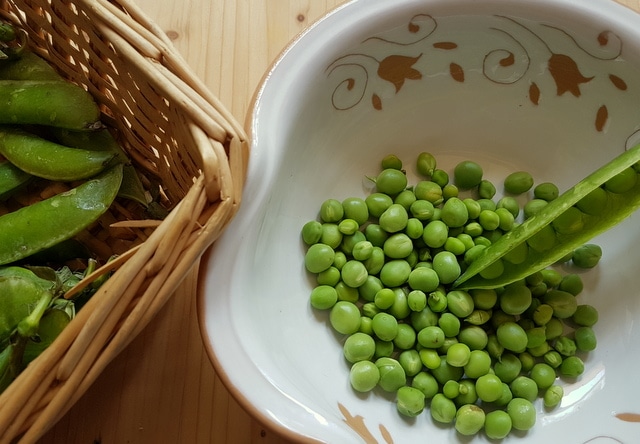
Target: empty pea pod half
pixel 619 202
pixel 41 225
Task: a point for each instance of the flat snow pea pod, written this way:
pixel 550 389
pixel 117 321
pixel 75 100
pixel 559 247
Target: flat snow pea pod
pixel 11 178
pixel 47 102
pixel 43 224
pixel 43 158
pixel 617 207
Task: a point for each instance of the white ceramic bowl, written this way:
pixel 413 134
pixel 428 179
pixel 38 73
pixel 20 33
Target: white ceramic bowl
pixel 548 86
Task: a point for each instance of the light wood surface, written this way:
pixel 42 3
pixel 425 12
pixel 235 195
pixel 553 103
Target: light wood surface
pixel 162 388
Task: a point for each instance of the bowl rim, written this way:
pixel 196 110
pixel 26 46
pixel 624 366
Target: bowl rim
pixel 253 410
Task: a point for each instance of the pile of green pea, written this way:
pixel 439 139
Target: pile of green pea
pixel 478 358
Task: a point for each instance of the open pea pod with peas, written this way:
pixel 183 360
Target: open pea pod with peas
pixel 595 204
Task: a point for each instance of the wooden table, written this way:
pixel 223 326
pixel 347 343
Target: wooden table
pixel 162 388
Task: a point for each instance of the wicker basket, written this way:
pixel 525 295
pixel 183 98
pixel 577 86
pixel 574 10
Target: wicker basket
pixel 177 134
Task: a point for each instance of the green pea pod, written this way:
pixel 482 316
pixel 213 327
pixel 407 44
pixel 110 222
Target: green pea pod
pixel 11 178
pixel 28 66
pixel 617 207
pixel 19 295
pixel 43 158
pixel 44 224
pixel 47 102
pixel 51 325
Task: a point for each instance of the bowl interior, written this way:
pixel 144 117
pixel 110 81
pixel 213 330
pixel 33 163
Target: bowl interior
pixel 550 87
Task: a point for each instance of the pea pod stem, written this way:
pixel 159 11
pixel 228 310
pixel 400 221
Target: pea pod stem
pixel 619 207
pixel 28 327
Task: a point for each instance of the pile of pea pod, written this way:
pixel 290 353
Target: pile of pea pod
pixel 386 268
pixel 50 132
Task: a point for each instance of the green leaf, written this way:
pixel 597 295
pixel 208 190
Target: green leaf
pixel 618 207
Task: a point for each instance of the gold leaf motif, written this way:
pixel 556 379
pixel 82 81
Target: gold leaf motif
pixel 508 60
pixel 601 118
pixel 618 82
pixel 413 28
pixel 350 83
pixel 376 102
pixel 534 93
pixel 445 45
pixel 566 74
pixel 396 69
pixel 629 417
pixel 456 72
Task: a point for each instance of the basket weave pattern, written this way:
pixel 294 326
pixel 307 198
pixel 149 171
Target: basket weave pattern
pixel 177 134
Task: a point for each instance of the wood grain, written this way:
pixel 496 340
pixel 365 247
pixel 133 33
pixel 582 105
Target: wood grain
pixel 162 388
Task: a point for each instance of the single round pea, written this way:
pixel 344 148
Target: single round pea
pixel 551 277
pixel 594 202
pixel 311 232
pixel 512 337
pixel 489 220
pixel 522 413
pixel 475 337
pixel 400 308
pixel 410 362
pixel 377 203
pixel 467 174
pixel 395 273
pixel 331 211
pixel 546 191
pixel 370 288
pixel 431 337
pixel 542 315
pixel 449 190
pixel 543 374
pixel 451 389
pixel 348 226
pixel 426 383
pixel 339 259
pixel 424 318
pixel 410 401
pixel 385 326
pixel 375 262
pixel 435 234
pixel 450 324
pixel 510 203
pixel 460 303
pixel 484 299
pixel 518 182
pixel 553 359
pixel 473 207
pixel 384 298
pixel 414 228
pixel 505 398
pixel 442 409
pixel 469 419
pixel 458 355
pixel 392 375
pixel 348 242
pixel 330 276
pixel 391 181
pixel 405 198
pixel 571 221
pixel 394 219
pixel 478 317
pixel 424 279
pixel 422 209
pixel 358 347
pixel 346 293
pixel 331 235
pixel 536 337
pixel 468 393
pixel 497 424
pixel 364 376
pixel 571 283
pixel 572 366
pixel 391 161
pixel 564 304
pixel 398 246
pixel 429 191
pixel 527 360
pixel 489 387
pixel 479 364
pixel 508 368
pixel 447 267
pixel 441 177
pixel 406 337
pixel 622 182
pixel 585 315
pixel 345 317
pixel 533 207
pixel 417 300
pixel 425 164
pixel 454 212
pixel 362 250
pixel 553 395
pixel 366 325
pixel 506 219
pixel 354 273
pixel 486 189
pixel 375 234
pixel 565 346
pixel 487 204
pixel 474 229
pixel 319 257
pixel 384 349
pixel 494 348
pixel 430 358
pixel 323 297
pixel 515 299
pixel 587 255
